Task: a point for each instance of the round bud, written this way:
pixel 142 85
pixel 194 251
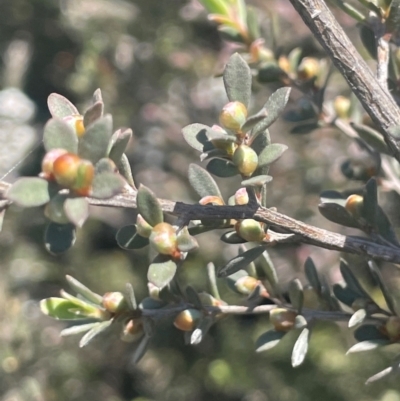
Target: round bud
pixel 47 164
pixel 393 328
pixel 187 319
pixel 282 319
pixel 143 227
pixel 54 210
pixel 246 160
pixel 114 302
pixel 233 115
pixel 84 178
pixel 246 285
pixel 163 238
pixel 342 106
pixel 133 330
pixel 354 205
pixel 309 68
pixel 284 64
pixel 65 169
pixel 241 197
pixel 76 122
pixel 250 230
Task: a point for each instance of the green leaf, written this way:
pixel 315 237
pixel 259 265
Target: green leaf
pixel 257 181
pixel 148 206
pixel 269 72
pixel 372 138
pixel 351 280
pixel 216 7
pixel 59 135
pixel 380 375
pixel 119 142
pixel 93 144
pixel 270 154
pixel 222 168
pixel 202 182
pixel 185 242
pixel 300 348
pixel 78 329
pixel 231 237
pixel 212 279
pixel 237 80
pixel 254 120
pixel 195 135
pixel 300 322
pixel 268 340
pixel 59 238
pixel 151 303
pixel 161 271
pixel 296 295
pixel 338 214
pixel 312 275
pixel 370 204
pixel 97 96
pixel 369 332
pixel 93 113
pixel 125 170
pixel 357 318
pixel 2 214
pixel 269 271
pixel 130 296
pixel 274 108
pixel 127 238
pixel 60 309
pixel 252 23
pixel 60 107
pixel 230 34
pixel 104 165
pixel 141 349
pixel 241 261
pixel 88 294
pixel 77 210
pixel 344 294
pixel 95 331
pixel 368 39
pixel 201 330
pixel 367 346
pixel 193 298
pixel 106 185
pixel 29 192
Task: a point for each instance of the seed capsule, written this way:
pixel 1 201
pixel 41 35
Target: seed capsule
pixel 233 115
pixel 187 319
pixel 246 160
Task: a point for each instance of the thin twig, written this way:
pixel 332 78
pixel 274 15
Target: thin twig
pixel 305 233
pixel 378 102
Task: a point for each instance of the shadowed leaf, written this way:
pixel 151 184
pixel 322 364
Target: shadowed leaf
pixel 268 340
pixel 59 238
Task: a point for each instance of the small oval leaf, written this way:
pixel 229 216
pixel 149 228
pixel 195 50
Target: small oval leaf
pixel 59 238
pixel 202 182
pixel 60 107
pixel 161 271
pixel 268 340
pixel 127 238
pixel 59 135
pixel 148 206
pixel 77 210
pixel 300 348
pixel 270 154
pixel 29 192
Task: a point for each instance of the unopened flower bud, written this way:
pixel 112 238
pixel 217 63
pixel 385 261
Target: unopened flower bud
pixel 282 319
pixel 114 302
pixel 250 230
pixel 233 115
pixel 84 178
pixel 342 106
pixel 309 68
pixel 48 161
pixel 246 160
pixel 187 319
pixel 133 330
pixel 76 122
pixel 241 197
pixel 163 238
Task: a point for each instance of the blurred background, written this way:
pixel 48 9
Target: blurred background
pixel 156 63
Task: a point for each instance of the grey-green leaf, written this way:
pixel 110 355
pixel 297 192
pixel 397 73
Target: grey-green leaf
pixel 296 295
pixel 357 318
pixel 130 296
pixel 237 80
pixel 367 346
pixel 312 275
pixel 60 107
pixel 60 309
pixel 257 181
pixel 186 242
pixel 93 113
pixel 268 340
pixel 241 261
pixel 222 168
pixel 95 331
pixel 148 206
pixel 127 238
pixel 29 192
pixel 78 329
pixel 106 185
pixel 202 181
pixel 195 135
pixel 81 289
pixel 119 142
pixel 300 348
pixel 270 154
pixel 161 271
pixel 77 210
pixel 93 144
pixel 372 138
pixel 380 375
pixel 59 135
pixel 59 238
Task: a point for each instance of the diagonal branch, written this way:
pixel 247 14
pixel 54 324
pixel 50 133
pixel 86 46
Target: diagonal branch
pixel 378 102
pixel 303 232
